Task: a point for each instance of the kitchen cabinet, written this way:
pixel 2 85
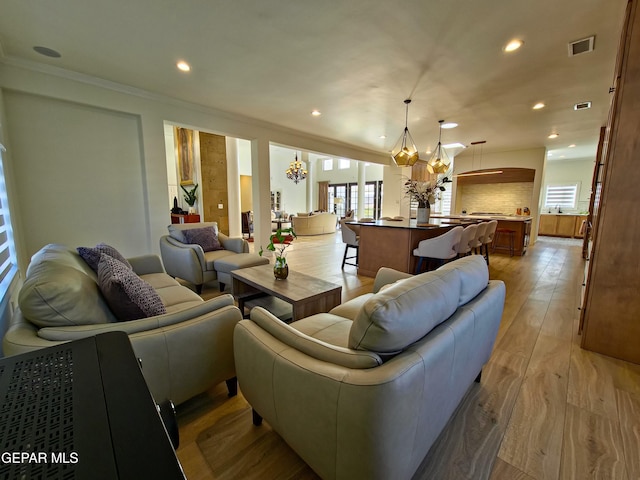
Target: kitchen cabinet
pixel 561 225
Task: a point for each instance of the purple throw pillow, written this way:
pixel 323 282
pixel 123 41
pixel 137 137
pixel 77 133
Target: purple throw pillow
pixel 129 297
pixel 92 255
pixel 205 237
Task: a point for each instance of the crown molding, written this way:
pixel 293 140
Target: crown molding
pixel 155 97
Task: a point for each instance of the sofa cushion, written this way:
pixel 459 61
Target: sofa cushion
pixel 310 346
pixel 474 276
pixel 210 258
pixel 56 295
pixel 206 237
pixel 393 319
pixel 91 255
pixel 176 230
pixel 128 295
pixel 351 308
pixel 329 328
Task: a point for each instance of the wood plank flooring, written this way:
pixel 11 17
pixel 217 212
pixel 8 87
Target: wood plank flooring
pixel 545 409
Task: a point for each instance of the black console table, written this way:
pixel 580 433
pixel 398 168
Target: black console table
pixel 81 410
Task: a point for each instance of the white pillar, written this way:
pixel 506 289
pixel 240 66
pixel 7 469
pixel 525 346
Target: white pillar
pixel 310 181
pixel 362 179
pixel 233 187
pixel 261 191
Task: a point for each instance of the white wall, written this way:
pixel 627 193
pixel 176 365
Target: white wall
pixel 93 167
pixel 570 172
pixel 80 177
pixel 294 196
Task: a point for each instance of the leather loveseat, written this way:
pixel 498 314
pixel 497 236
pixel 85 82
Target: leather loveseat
pixel 362 392
pixel 183 352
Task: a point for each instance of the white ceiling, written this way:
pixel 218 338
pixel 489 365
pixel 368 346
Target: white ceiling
pixel 355 61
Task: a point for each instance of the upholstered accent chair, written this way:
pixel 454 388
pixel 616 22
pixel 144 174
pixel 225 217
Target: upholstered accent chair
pixel 190 261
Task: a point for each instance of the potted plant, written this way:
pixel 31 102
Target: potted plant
pixel 279 241
pixel 190 197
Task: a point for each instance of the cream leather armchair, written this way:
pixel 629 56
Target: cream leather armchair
pixel 190 262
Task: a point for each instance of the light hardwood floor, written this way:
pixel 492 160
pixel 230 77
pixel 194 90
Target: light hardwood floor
pixel 545 409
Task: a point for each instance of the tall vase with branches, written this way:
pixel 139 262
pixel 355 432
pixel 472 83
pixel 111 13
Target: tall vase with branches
pixel 425 193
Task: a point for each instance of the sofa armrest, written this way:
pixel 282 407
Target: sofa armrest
pixel 146 264
pixel 317 349
pixel 182 260
pixel 386 276
pixel 137 326
pixel 233 244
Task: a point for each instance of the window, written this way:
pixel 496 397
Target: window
pixel 344 164
pixel 327 164
pixel 562 196
pixel 8 263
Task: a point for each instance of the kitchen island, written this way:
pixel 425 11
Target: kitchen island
pixel 390 243
pixel 520 224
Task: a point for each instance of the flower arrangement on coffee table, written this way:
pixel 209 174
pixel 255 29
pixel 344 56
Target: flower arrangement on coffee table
pixel 279 242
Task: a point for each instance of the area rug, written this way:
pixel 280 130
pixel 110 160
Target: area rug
pixel 235 448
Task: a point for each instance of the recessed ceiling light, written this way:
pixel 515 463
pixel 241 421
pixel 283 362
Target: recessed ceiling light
pixel 449 125
pixel 47 52
pixel 513 45
pixel 428 152
pixel 538 106
pixel 183 66
pixel 553 135
pixel 383 136
pixel 572 145
pixel 549 154
pixel 316 113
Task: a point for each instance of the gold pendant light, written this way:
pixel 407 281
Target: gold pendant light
pixel 405 152
pixel 439 162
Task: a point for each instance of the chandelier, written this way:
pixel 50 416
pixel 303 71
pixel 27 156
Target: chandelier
pixel 295 171
pixel 439 161
pixel 405 152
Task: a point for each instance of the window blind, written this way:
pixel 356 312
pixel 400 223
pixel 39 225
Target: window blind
pixel 8 264
pixel 561 196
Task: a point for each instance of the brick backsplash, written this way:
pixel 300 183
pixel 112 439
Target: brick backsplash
pixel 494 197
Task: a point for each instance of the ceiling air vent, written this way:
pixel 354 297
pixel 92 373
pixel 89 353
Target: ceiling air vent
pixel 582 106
pixel 581 46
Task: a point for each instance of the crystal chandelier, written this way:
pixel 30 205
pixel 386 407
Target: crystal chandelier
pixel 405 152
pixel 439 161
pixel 295 171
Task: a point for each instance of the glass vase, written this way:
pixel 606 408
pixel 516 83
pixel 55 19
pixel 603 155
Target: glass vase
pixel 281 269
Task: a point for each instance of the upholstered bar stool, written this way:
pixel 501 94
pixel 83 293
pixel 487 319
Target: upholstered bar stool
pixel 464 245
pixel 440 248
pixel 476 243
pixel 350 238
pixel 511 239
pixel 488 238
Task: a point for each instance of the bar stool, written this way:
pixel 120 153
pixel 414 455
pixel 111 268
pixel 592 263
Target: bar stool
pixel 511 234
pixel 488 238
pixel 468 235
pixel 441 248
pixel 476 243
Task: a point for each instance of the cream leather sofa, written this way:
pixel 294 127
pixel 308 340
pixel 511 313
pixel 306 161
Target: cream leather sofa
pixel 363 391
pixel 183 352
pixel 316 224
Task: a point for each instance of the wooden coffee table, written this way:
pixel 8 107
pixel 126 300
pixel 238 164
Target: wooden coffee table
pixel 306 294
